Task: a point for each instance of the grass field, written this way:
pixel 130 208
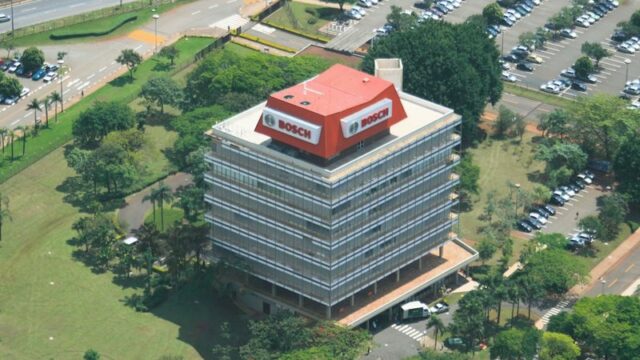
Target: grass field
pixel 120 89
pixel 98 25
pixel 302 18
pixel 52 306
pixel 537 95
pixel 500 161
pixel 171 216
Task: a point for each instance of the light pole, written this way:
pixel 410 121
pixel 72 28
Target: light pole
pixel 603 282
pixel 60 63
pixel 517 186
pixel 502 47
pixel 13 29
pixel 626 77
pixel 156 17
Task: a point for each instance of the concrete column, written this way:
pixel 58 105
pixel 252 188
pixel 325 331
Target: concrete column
pixel 441 251
pixel 397 275
pixel 420 263
pixel 328 312
pixel 300 300
pixel 273 290
pixel 375 287
pixel 353 300
pixel 368 325
pixel 457 278
pixel 390 315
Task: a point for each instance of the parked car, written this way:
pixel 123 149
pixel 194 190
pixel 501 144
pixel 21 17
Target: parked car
pixel 568 73
pixel 567 190
pixel 360 10
pixel 537 217
pixel 365 3
pixel 557 200
pixel 562 194
pixel 575 243
pixel 619 36
pixel 24 92
pixel 454 343
pixel 591 79
pixel 354 14
pixel 10 100
pixel 511 58
pixel 51 75
pixel 523 226
pixel 588 180
pixel 546 208
pixel 439 308
pixel 577 85
pixel 539 211
pixel 524 66
pixel 568 33
pixel 14 66
pixel 4 18
pixel 533 223
pixel 507 76
pixel 39 74
pixel 550 88
pixel 535 59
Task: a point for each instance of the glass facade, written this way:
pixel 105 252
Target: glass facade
pixel 329 239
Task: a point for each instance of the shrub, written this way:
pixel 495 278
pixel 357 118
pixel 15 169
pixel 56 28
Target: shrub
pixel 310 11
pixel 159 295
pixel 312 20
pixel 98 33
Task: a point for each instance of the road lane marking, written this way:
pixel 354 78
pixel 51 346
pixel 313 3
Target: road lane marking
pixel 15 122
pixel 612 283
pixel 29 9
pixel 27 114
pixel 196 12
pixel 73 82
pixel 90 76
pixel 76 5
pixel 66 91
pixel 102 69
pixel 629 267
pixel 213 6
pixel 231 1
pixel 83 85
pixel 137 47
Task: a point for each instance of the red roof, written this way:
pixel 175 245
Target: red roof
pixel 332 111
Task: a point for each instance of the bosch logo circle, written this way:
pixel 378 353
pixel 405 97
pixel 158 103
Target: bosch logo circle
pixel 269 120
pixel 354 128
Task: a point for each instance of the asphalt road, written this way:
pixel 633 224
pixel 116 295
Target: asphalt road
pixel 621 276
pixel 90 64
pixel 37 11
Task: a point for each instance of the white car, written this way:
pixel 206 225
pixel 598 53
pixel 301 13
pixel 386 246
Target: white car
pixel 374 2
pixel 14 66
pixel 567 190
pixel 51 75
pixel 587 180
pixel 455 3
pixel 4 18
pixel 582 21
pixel 446 4
pixel 615 3
pixel 536 2
pixel 513 13
pixel 568 33
pixel 541 219
pixel 354 14
pixel 507 76
pixel 561 193
pixel 550 88
pixel 593 15
pixel 625 48
pixel 24 92
pixel 359 10
pixel 10 100
pixel 365 3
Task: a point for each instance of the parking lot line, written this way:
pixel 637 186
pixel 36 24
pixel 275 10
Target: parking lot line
pixel 570 204
pixel 607 60
pixel 546 52
pixel 579 195
pixel 556 44
pixel 564 208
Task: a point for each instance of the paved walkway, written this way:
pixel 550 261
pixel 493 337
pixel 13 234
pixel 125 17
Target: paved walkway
pixel 131 216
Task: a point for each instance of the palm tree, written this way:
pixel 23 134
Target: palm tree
pixel 12 136
pixel 36 106
pixel 153 198
pixel 55 99
pixel 164 194
pixel 46 103
pixel 25 132
pixel 3 135
pixel 61 55
pixel 5 214
pixel 436 323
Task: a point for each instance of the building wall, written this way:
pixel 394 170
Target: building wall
pixel 326 240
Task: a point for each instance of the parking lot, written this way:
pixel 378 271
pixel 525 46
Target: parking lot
pixel 559 55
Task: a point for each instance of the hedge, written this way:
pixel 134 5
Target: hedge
pixel 320 38
pixel 100 33
pixel 267 43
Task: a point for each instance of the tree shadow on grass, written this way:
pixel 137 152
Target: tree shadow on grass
pixel 86 259
pixel 536 177
pixel 121 81
pixel 129 282
pixel 80 195
pixel 162 66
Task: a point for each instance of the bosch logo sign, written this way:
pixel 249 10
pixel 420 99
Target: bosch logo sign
pixel 366 118
pixel 291 125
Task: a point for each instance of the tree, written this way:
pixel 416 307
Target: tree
pixel 163 194
pixel 131 59
pixel 493 14
pixel 277 334
pixel 530 287
pixel 91 355
pixel 626 167
pixel 12 137
pixel 170 52
pixel 554 123
pixel 8 45
pixel 9 86
pixel 191 201
pixel 563 19
pixel 5 213
pixel 451 64
pixel 504 121
pixel 528 39
pixel 561 155
pixel 600 123
pixel 32 59
pixel 399 20
pixel 507 345
pixel 161 91
pixel 3 138
pixel 540 194
pixel 468 320
pixel 583 67
pixel 97 235
pixel 542 36
pixel 55 99
pixel 152 198
pixel 566 272
pixel 469 176
pixel 96 122
pixel 596 51
pixel 519 126
pixel 438 326
pixel 556 346
pixel 61 55
pixel 340 3
pixel 613 211
pixel 592 223
pixel 36 106
pixel 486 248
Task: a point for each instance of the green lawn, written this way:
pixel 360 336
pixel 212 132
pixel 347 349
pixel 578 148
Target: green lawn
pixel 500 161
pixel 52 306
pixel 120 89
pixel 98 25
pixel 536 95
pixel 302 19
pixel 171 216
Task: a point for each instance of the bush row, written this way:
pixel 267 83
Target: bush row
pixel 320 38
pixel 267 43
pixel 88 34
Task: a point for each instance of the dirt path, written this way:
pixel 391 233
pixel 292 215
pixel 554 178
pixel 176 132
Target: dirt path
pixel 131 216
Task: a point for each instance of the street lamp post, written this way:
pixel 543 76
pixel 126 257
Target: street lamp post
pixel 156 17
pixel 626 77
pixel 603 282
pixel 502 46
pixel 60 63
pixel 517 186
pixel 13 28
